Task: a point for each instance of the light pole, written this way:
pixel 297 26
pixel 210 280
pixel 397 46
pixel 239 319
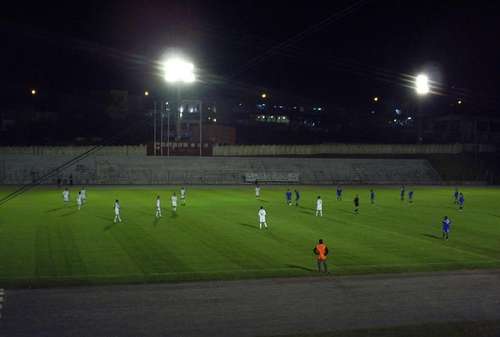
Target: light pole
pixel 177 71
pixel 422 89
pixel 154 129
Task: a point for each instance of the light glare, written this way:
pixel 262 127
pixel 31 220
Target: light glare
pixel 178 70
pixel 422 84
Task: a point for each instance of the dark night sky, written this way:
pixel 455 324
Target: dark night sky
pixel 366 52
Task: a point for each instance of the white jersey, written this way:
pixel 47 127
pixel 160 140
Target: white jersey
pixel 158 204
pixel 117 208
pixel 183 193
pixel 66 195
pixel 319 204
pixel 174 200
pixel 84 196
pixel 262 215
pixel 257 191
pixel 79 199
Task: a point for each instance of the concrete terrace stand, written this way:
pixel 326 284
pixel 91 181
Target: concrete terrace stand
pixel 140 169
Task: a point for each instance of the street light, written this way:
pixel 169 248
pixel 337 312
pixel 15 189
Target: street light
pixel 146 93
pixel 33 92
pixel 178 71
pixel 263 95
pixel 375 99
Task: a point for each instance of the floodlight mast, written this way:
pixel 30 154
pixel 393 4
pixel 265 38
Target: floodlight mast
pixel 422 88
pixel 178 71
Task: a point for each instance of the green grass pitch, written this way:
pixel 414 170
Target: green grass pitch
pixel 216 235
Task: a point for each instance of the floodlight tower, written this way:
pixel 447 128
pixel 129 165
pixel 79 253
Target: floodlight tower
pixel 422 88
pixel 177 72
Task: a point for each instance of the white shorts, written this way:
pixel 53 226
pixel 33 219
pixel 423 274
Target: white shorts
pixel 174 204
pixel 262 220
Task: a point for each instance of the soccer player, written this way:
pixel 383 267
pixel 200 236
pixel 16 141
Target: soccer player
pixel 319 206
pixel 321 251
pixel 79 200
pixel 65 194
pixel 262 217
pixel 158 207
pixel 288 197
pixel 174 202
pixel 339 192
pixel 410 196
pixel 84 195
pixel 117 211
pixel 455 195
pixel 402 192
pixel 446 227
pixel 297 197
pixel 257 190
pixel 461 201
pixel 183 196
pixel 372 196
pixel 356 204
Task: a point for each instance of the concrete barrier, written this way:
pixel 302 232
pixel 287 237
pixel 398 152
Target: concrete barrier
pixel 124 150
pixel 351 149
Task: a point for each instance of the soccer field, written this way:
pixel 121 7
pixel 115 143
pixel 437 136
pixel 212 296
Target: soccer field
pixel 216 235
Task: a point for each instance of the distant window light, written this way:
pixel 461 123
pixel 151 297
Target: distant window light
pixel 395 120
pixel 410 118
pixel 397 111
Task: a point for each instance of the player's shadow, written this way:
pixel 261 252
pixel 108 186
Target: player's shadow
pixel 247 225
pixel 58 209
pixel 173 215
pixel 69 213
pixel 300 267
pixel 432 236
pixel 108 227
pixel 345 211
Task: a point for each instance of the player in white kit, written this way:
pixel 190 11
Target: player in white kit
pixel 158 207
pixel 183 195
pixel 117 211
pixel 262 217
pixel 257 191
pixel 319 206
pixel 65 194
pixel 84 195
pixel 174 202
pixel 79 200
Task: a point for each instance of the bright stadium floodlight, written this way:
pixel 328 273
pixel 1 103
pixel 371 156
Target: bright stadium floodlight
pixel 422 84
pixel 178 70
